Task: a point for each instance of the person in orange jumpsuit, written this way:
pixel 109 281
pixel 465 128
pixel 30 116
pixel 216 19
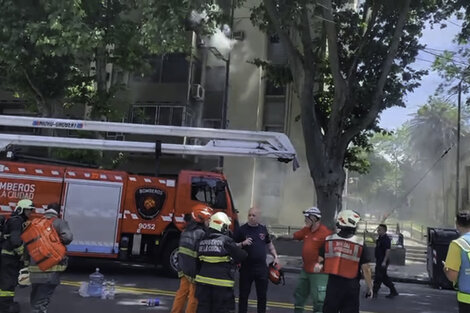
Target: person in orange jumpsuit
pixel 187 259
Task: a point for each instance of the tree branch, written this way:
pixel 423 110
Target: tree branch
pixel 42 101
pixel 385 71
pixel 332 38
pixel 370 17
pixel 306 38
pixel 293 55
pixel 336 119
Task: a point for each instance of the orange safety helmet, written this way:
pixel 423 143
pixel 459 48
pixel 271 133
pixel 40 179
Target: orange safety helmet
pixel 201 213
pixel 276 274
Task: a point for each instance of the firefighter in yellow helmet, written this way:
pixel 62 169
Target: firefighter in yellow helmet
pixel 218 254
pixel 345 256
pixel 12 253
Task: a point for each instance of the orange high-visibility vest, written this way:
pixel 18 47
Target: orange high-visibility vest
pixel 342 255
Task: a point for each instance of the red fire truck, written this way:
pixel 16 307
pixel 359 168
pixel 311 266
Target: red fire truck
pixel 118 215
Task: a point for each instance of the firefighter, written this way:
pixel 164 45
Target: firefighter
pixel 344 256
pixel 218 254
pixel 12 255
pixel 2 224
pixel 43 284
pixel 187 258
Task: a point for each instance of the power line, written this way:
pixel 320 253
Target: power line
pixel 438 55
pixel 453 23
pixel 424 60
pixel 404 197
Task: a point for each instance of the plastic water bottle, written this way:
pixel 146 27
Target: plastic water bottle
pixel 151 302
pixel 95 286
pixel 111 289
pixel 83 291
pixel 105 290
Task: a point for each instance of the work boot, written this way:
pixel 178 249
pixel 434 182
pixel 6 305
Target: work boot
pixel 392 295
pixel 14 308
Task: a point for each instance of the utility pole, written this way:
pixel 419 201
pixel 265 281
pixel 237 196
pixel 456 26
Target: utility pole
pixel 457 178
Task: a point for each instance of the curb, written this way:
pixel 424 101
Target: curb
pixel 409 280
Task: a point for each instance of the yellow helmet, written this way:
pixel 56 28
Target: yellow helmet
pixel 24 204
pixel 219 221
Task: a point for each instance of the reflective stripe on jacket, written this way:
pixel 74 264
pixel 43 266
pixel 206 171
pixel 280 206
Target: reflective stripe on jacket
pixel 12 243
pixel 187 251
pixel 6 293
pixel 463 295
pixel 217 267
pixel 55 268
pixel 342 255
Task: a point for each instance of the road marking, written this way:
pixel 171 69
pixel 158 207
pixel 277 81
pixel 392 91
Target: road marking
pixel 160 292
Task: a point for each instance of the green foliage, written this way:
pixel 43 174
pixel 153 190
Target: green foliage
pixel 360 57
pixel 433 129
pixel 48 47
pixel 454 66
pixel 84 157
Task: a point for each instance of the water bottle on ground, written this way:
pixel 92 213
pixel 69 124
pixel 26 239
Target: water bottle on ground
pixel 95 286
pixel 111 289
pixel 83 291
pixel 105 290
pixel 151 302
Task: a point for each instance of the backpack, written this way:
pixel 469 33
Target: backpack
pixel 43 243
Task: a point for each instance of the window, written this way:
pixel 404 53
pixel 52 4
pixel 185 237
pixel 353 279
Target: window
pixel 212 123
pixel 175 68
pixel 274 90
pixel 144 115
pixel 211 191
pixel 274 114
pixel 159 114
pixel 169 68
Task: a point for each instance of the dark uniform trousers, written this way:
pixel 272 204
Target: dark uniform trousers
pixel 342 295
pixel 381 276
pixel 40 297
pixel 10 266
pixel 248 274
pixel 214 299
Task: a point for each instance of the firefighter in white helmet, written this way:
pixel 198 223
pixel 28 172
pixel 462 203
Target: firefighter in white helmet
pixel 345 256
pixel 218 254
pixel 12 254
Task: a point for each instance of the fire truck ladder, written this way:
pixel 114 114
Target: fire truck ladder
pixel 220 142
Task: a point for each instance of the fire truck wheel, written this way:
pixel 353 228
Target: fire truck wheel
pixel 170 257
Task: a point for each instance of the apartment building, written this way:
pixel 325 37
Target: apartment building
pixel 213 83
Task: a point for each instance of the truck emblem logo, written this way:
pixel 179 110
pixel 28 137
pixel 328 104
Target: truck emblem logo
pixel 149 202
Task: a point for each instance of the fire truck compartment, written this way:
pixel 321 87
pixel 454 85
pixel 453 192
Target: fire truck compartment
pixel 92 210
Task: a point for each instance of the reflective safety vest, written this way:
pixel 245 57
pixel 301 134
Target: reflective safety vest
pixel 463 295
pixel 342 255
pixel 216 264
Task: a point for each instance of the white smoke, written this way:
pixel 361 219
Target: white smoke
pixel 221 41
pixel 198 17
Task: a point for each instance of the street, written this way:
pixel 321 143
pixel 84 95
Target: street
pixel 136 283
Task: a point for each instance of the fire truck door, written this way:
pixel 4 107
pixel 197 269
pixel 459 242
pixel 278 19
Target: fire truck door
pixel 91 209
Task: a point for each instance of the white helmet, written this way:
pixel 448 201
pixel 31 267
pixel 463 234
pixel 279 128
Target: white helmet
pixel 348 218
pixel 24 204
pixel 219 221
pixel 313 211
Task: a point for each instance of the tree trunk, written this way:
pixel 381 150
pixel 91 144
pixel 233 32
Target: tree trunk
pixel 329 192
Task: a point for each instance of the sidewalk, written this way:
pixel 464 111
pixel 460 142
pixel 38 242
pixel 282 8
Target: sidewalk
pixel 412 272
